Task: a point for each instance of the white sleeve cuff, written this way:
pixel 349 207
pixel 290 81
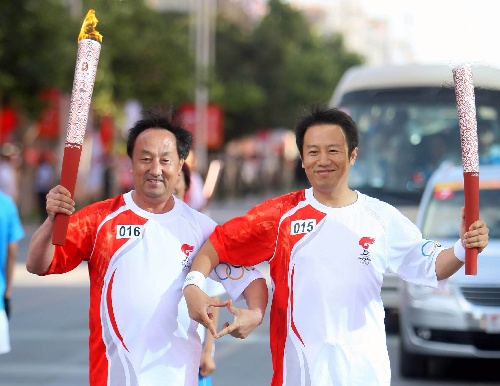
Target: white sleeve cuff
pixel 194 278
pixel 459 250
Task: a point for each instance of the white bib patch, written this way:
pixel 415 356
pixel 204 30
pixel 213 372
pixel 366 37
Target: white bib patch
pixel 302 226
pixel 124 231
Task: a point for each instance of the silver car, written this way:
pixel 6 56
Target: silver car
pixel 463 319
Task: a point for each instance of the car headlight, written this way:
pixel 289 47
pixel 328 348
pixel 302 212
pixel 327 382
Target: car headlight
pixel 420 292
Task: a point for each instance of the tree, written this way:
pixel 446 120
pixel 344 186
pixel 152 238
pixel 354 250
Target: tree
pixel 261 78
pixel 37 41
pixel 266 77
pixel 233 85
pixel 147 53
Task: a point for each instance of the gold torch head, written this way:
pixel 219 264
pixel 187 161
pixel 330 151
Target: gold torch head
pixel 88 30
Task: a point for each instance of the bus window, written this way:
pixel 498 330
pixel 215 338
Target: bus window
pixel 408 122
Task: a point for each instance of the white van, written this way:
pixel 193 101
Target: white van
pixel 408 122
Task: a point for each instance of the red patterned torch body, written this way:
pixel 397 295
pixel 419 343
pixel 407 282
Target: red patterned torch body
pixel 464 91
pixel 83 85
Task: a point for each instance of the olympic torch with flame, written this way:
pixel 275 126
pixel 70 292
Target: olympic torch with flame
pixel 464 91
pixel 89 48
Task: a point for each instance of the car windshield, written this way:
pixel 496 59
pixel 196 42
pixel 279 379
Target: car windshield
pixel 406 134
pixel 443 213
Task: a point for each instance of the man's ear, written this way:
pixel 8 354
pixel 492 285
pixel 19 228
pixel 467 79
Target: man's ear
pixel 354 155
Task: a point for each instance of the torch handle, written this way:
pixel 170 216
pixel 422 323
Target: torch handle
pixel 69 172
pixel 471 198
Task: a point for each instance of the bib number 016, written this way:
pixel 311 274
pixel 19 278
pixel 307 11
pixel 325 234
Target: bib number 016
pixel 124 231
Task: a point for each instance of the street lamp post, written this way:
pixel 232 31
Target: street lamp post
pixel 204 17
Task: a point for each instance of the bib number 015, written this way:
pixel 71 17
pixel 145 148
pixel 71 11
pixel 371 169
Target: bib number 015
pixel 302 226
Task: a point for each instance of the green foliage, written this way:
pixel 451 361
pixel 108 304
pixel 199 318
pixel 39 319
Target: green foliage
pixel 266 77
pixel 261 78
pixel 235 88
pixel 148 54
pixel 38 43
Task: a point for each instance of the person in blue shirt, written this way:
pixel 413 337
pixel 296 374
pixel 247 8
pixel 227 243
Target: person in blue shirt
pixel 11 231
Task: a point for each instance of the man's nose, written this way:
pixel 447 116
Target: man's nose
pixel 324 159
pixel 156 167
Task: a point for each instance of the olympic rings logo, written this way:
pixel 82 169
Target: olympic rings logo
pixel 226 271
pixel 429 247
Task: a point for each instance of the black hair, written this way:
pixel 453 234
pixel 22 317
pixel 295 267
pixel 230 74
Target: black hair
pixel 158 118
pixel 318 115
pixel 186 172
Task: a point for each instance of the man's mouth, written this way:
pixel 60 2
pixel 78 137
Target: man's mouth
pixel 323 172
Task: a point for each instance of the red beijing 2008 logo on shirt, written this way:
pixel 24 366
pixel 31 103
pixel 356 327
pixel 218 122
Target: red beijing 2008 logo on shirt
pixel 365 243
pixel 186 249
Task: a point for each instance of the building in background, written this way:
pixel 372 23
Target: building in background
pixel 363 33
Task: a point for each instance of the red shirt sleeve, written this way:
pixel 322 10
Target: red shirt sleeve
pixel 81 236
pixel 251 239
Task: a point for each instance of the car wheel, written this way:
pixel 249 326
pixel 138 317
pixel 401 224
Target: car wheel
pixel 412 365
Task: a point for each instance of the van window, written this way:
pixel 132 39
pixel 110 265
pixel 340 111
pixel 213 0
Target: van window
pixel 407 133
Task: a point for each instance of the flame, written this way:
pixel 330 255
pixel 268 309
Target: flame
pixel 88 30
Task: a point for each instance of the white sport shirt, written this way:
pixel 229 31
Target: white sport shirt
pixel 140 331
pixel 327 266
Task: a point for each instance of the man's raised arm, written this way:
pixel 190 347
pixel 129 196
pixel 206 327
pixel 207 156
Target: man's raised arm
pixel 41 249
